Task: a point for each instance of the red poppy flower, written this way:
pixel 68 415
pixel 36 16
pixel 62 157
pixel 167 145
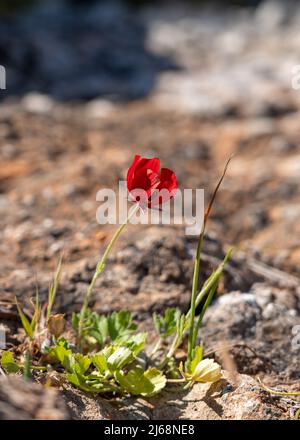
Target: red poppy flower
pixel 147 185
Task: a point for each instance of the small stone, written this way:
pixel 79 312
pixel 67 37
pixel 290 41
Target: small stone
pixel 99 108
pixel 37 103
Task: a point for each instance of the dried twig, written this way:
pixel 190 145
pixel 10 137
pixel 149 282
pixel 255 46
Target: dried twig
pixel 278 393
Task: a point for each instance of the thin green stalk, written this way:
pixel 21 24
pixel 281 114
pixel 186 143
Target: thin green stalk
pixel 207 287
pixel 194 293
pixel 201 295
pixel 176 380
pixel 175 344
pixel 206 304
pixel 210 296
pixel 53 289
pixel 197 266
pixel 156 347
pixel 100 267
pixel 26 368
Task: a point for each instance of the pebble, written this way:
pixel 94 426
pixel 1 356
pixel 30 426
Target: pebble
pixel 37 103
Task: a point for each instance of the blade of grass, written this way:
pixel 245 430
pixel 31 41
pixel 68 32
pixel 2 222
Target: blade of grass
pixel 53 288
pixel 26 371
pixel 37 310
pixel 25 323
pixel 210 296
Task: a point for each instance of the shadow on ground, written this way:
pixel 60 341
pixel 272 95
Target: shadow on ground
pixel 79 51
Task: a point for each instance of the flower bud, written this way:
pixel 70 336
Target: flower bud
pixel 56 324
pixel 206 371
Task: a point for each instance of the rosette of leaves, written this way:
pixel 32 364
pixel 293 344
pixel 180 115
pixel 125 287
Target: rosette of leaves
pixel 100 329
pixel 114 369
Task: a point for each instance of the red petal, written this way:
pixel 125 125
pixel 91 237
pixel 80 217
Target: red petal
pixel 131 170
pixel 146 180
pixel 168 182
pixel 148 164
pixel 139 166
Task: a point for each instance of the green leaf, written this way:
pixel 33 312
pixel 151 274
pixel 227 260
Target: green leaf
pixel 112 358
pixel 157 378
pixel 119 358
pixel 135 343
pixel 62 342
pixel 81 364
pixel 102 329
pixel 73 363
pixel 119 324
pixel 166 324
pixel 100 362
pixel 140 382
pixel 91 383
pixel 79 382
pixel 64 356
pixel 75 320
pixel 26 324
pixel 8 362
pixel 197 358
pixel 99 328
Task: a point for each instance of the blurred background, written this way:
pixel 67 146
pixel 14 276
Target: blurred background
pixel 91 83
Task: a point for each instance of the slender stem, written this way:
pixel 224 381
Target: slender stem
pixel 200 318
pixel 176 380
pixel 204 291
pixel 197 264
pixel 175 344
pixel 188 385
pixel 100 267
pixel 156 347
pixel 38 368
pixel 206 288
pixel 213 287
pixel 26 366
pixel 279 393
pixel 194 292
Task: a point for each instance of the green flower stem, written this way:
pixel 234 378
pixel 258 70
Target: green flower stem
pixel 204 291
pixel 207 287
pixel 197 265
pixel 194 293
pixel 156 347
pixel 216 280
pixel 175 344
pixel 100 267
pixel 200 318
pixel 188 385
pixel 176 380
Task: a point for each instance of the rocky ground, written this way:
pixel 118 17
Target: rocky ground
pixel 222 85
